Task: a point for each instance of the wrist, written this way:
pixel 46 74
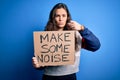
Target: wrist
pixel 81 28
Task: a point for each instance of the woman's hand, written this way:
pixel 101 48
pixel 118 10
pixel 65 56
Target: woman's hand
pixel 73 25
pixel 36 63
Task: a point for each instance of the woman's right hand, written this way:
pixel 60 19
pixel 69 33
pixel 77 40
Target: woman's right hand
pixel 36 63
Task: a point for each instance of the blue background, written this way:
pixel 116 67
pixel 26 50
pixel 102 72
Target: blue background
pixel 19 18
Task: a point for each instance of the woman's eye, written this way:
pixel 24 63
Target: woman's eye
pixel 64 15
pixel 56 15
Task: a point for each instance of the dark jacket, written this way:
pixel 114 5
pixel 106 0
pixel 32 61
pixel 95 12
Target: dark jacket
pixel 89 40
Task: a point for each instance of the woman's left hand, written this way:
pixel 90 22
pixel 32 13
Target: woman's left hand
pixel 73 25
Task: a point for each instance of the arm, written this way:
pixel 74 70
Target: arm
pixel 89 40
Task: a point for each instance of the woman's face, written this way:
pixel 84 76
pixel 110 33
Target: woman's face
pixel 61 18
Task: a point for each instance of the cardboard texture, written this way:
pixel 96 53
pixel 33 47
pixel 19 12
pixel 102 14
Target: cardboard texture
pixel 54 48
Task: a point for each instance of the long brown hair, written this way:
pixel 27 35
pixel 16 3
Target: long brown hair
pixel 51 24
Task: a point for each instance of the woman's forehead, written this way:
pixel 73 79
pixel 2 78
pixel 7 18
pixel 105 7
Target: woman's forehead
pixel 61 11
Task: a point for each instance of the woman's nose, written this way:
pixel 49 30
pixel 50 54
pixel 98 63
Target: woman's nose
pixel 60 18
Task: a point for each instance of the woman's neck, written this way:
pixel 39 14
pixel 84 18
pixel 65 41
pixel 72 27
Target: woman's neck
pixel 60 29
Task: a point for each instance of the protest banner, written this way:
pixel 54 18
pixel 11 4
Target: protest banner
pixel 53 48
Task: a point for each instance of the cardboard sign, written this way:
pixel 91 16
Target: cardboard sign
pixel 54 47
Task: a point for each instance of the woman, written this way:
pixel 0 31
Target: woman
pixel 60 20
